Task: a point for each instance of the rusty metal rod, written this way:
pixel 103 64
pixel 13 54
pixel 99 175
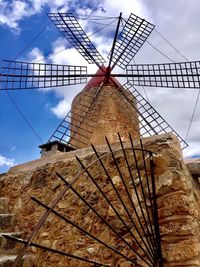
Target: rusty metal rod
pixel 32 244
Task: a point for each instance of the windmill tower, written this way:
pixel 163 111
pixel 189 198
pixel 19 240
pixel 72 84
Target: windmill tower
pixel 110 113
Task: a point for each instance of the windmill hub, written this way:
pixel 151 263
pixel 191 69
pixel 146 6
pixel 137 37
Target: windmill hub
pixel 107 75
pixel 102 76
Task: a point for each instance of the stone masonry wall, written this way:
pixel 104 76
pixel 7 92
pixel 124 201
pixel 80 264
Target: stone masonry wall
pixel 178 206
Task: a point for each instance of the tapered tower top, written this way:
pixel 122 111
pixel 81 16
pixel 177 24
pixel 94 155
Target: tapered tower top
pixel 100 78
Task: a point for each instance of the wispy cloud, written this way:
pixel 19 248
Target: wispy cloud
pixel 12 148
pixel 35 54
pixel 12 12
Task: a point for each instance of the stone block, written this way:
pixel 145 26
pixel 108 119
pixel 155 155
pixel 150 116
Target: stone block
pixel 7 260
pixel 177 203
pixel 7 222
pixel 184 250
pixel 3 205
pixel 193 166
pixel 178 226
pixel 8 246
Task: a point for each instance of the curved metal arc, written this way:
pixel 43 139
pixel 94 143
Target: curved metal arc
pixel 45 215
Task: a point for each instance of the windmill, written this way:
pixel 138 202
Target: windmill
pixel 80 127
pixel 77 128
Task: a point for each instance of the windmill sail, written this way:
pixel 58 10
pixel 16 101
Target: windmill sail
pixel 130 40
pixel 24 75
pixel 183 75
pixel 70 28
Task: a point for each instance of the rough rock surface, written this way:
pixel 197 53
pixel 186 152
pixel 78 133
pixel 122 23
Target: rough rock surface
pixel 193 165
pixel 109 114
pixel 178 206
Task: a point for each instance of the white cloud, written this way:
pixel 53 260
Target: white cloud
pixel 6 161
pixel 126 7
pixel 12 12
pixel 35 55
pixel 61 109
pixel 192 150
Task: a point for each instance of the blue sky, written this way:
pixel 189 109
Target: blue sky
pixel 21 21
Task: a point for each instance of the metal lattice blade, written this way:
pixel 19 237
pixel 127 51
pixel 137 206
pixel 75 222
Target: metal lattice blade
pixel 184 74
pixel 130 40
pixel 68 25
pixel 150 121
pixel 24 75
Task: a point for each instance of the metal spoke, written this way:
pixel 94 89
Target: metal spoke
pixel 79 228
pixel 148 220
pixel 117 213
pixel 148 225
